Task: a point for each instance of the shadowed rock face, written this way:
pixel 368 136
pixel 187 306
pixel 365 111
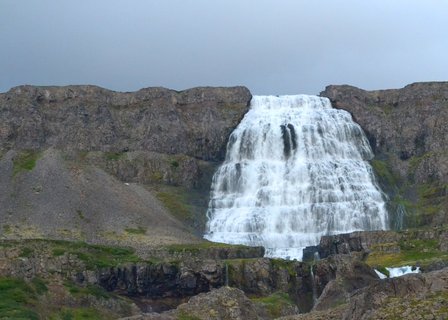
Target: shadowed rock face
pixel 195 122
pixel 409 136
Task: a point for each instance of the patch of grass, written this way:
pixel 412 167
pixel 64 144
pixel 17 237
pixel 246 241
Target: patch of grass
pixel 92 290
pixel 139 230
pixel 26 252
pixel 24 161
pixel 80 214
pixel 383 172
pixel 412 252
pixel 196 247
pixel 78 314
pixel 383 270
pixel 415 162
pixel 174 164
pixel 275 303
pixel 284 264
pixel 184 316
pixel 94 256
pixel 431 197
pixel 176 204
pixel 186 204
pixel 16 299
pixel 57 252
pixel 113 156
pixel 39 285
pixel 6 228
pixel 430 191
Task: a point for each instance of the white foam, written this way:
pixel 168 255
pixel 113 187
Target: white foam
pixel 380 274
pixel 295 169
pixel 401 271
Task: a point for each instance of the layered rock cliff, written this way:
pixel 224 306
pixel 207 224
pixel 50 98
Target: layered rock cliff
pixel 86 163
pixel 195 122
pixel 409 136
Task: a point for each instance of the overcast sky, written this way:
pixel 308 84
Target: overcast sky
pixel 270 46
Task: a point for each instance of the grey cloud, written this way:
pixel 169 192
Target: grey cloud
pixel 272 47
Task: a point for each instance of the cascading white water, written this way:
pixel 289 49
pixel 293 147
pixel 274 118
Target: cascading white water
pixel 295 169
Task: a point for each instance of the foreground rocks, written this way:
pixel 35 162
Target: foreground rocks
pixel 115 281
pixel 419 296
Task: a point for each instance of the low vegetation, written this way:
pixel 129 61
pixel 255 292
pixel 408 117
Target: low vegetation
pixel 18 298
pixel 92 290
pixel 275 303
pixel 197 247
pixel 80 313
pixel 93 256
pixel 139 230
pixel 24 161
pixel 384 173
pixel 415 252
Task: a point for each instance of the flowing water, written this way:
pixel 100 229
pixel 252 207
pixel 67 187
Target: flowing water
pixel 295 169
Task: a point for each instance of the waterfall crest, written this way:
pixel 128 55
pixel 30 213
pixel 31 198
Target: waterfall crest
pixel 295 169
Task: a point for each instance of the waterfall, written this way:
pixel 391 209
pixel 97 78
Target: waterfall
pixel 295 169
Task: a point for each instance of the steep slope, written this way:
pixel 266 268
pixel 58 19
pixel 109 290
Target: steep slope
pixel 61 199
pixel 408 133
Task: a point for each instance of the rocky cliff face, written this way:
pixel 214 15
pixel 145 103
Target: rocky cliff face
pixel 408 133
pixel 86 163
pixel 195 122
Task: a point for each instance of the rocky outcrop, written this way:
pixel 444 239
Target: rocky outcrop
pixel 408 134
pixel 221 304
pixel 417 296
pixel 336 277
pixel 388 242
pixel 224 303
pixel 153 281
pixel 354 242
